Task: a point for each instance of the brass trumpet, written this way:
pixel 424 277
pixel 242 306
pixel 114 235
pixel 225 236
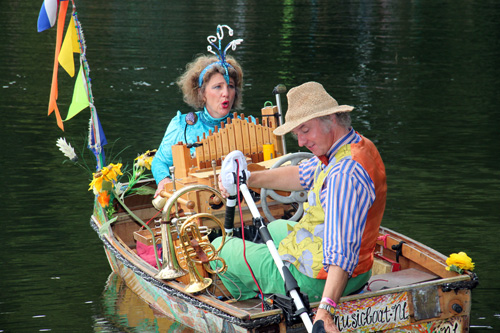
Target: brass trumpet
pixel 197 249
pixel 171 269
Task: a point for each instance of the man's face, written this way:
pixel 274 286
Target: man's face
pixel 315 135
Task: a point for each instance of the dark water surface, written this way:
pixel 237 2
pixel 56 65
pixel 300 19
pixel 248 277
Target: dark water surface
pixel 423 76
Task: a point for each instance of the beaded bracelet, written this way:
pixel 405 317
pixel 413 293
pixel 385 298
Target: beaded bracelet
pixel 329 301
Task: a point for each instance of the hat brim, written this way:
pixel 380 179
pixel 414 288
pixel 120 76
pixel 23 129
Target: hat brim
pixel 288 126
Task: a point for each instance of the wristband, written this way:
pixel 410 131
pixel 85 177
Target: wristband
pixel 329 301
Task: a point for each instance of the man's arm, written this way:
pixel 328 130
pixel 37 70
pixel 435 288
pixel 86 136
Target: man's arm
pixel 336 282
pixel 283 178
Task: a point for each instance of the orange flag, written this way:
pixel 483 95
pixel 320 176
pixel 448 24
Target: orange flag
pixel 63 6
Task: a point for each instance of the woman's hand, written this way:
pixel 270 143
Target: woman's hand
pixel 161 185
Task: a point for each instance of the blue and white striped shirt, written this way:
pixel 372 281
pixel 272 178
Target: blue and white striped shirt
pixel 347 195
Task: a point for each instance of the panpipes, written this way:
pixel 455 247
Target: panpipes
pixel 238 134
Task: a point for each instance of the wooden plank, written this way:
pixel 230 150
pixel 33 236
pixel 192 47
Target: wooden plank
pixel 259 131
pixel 252 137
pixel 206 150
pixel 218 144
pixel 246 136
pixel 200 156
pixel 266 135
pixel 231 135
pixel 238 134
pixel 225 141
pixel 429 259
pixel 213 149
pixel 401 278
pixel 182 158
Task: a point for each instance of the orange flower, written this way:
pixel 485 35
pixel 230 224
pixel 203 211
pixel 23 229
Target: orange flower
pixel 104 198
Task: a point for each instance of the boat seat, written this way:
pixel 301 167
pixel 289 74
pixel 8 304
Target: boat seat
pixel 401 278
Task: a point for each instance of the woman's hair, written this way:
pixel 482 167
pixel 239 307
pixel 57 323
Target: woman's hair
pixel 188 82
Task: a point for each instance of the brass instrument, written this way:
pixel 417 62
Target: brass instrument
pixel 170 266
pixel 197 249
pixel 193 239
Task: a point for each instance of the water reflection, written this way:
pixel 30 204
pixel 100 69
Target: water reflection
pixel 122 310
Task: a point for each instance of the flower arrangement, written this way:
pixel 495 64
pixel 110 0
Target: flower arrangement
pixel 458 262
pixel 105 182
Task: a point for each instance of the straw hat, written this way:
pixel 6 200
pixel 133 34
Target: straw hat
pixel 307 101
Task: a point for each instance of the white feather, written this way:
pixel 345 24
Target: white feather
pixel 66 149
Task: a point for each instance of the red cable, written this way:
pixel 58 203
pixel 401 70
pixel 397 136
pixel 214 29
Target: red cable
pixel 243 236
pixel 147 223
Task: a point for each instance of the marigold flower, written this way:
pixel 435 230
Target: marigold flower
pixel 104 198
pixel 461 261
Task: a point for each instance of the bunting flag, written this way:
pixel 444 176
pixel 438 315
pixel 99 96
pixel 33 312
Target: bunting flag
pixel 97 140
pixel 69 46
pixel 47 16
pixel 53 89
pixel 80 95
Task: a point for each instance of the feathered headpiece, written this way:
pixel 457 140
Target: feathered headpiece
pixel 221 52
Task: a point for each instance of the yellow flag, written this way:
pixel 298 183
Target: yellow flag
pixel 69 46
pixel 80 96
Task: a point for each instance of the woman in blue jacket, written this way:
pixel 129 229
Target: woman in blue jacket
pixel 212 85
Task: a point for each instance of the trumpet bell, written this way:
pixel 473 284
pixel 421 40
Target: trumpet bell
pixel 169 273
pixel 197 285
pixel 170 268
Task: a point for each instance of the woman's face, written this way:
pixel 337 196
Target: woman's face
pixel 219 96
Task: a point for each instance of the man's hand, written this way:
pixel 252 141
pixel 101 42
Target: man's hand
pixel 329 324
pixel 223 191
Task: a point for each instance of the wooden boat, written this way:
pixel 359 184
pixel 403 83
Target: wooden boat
pixel 410 290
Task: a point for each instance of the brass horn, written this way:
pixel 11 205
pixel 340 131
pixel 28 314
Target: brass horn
pixel 171 268
pixel 197 249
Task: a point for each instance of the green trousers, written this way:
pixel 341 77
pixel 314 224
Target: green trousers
pixel 239 281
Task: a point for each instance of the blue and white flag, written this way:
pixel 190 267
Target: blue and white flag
pixel 48 15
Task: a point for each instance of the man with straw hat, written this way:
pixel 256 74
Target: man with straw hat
pixel 330 250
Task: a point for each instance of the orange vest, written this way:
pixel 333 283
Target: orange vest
pixel 365 153
pixel 303 245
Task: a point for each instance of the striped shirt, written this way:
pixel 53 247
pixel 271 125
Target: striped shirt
pixel 347 195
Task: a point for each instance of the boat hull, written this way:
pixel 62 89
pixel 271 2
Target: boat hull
pixel 435 304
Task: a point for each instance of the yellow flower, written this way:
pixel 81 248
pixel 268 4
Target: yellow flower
pixel 113 171
pixel 106 174
pixel 459 261
pixel 145 159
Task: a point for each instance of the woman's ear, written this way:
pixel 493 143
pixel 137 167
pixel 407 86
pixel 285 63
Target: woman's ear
pixel 201 96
